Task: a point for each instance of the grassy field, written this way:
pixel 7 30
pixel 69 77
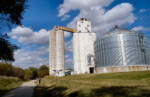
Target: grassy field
pixel 129 84
pixel 8 83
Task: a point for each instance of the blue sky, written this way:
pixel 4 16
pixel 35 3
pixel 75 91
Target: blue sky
pixel 41 16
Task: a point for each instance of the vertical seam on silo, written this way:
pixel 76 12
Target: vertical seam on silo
pixel 123 50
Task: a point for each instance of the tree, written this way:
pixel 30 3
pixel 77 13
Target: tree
pixel 18 72
pixel 11 12
pixel 34 71
pixel 69 69
pixel 31 73
pixel 6 69
pixel 43 71
pixel 6 49
pixel 28 74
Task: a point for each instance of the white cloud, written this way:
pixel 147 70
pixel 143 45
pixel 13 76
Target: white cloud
pixel 69 5
pixel 140 28
pixel 67 34
pixel 26 59
pixel 69 46
pixel 27 35
pixel 142 10
pixel 65 17
pixel 69 61
pixel 22 31
pixel 67 56
pixel 102 20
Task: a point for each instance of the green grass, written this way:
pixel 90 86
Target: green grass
pixel 8 83
pixel 127 84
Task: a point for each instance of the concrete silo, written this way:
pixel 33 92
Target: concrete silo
pixel 121 50
pixel 76 54
pixel 60 53
pixel 57 52
pixel 52 53
pixel 83 48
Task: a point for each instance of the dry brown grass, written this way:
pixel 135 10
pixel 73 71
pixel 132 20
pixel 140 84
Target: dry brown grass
pixel 129 84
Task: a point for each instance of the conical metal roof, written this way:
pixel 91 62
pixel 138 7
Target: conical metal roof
pixel 117 30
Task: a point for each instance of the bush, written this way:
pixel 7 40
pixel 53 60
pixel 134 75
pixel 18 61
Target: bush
pixel 6 69
pixel 43 71
pixel 18 72
pixel 31 73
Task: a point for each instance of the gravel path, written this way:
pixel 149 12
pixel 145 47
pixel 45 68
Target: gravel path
pixel 26 90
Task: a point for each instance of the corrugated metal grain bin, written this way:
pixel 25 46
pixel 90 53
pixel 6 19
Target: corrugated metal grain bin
pixel 121 48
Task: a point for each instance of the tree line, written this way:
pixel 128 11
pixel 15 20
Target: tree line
pixel 24 74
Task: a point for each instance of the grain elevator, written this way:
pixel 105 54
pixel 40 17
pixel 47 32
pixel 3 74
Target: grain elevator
pixel 83 49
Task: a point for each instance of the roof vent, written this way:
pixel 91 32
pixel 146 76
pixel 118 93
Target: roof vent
pixel 83 19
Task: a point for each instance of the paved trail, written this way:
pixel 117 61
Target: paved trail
pixel 26 90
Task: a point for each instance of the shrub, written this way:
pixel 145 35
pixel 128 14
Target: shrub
pixel 18 72
pixel 31 73
pixel 43 71
pixel 6 69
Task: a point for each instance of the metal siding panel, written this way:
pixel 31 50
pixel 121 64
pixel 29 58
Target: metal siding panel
pixel 110 50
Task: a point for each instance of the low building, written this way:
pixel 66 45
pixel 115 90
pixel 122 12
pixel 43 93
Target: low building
pixel 69 72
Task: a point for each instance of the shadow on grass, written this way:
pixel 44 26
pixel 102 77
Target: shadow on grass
pixel 49 91
pixel 115 91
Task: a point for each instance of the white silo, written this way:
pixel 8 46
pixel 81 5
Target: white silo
pixel 76 54
pixel 52 55
pixel 60 53
pixel 83 46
